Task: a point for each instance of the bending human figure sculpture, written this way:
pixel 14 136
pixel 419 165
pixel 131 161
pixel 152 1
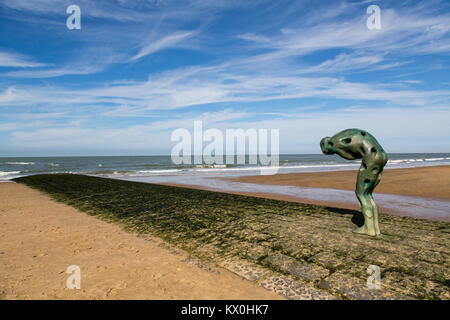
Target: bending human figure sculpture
pixel 354 144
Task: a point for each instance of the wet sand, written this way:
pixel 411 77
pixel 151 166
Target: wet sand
pixel 40 238
pixel 427 182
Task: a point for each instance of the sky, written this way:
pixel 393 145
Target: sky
pixel 137 70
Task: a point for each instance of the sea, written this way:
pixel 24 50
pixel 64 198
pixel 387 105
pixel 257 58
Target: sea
pixel 141 166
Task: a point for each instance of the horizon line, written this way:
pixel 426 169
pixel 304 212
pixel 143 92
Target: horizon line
pixel 192 155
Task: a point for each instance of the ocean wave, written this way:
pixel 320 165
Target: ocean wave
pixel 159 171
pixel 100 172
pixel 5 176
pixel 129 172
pixel 6 173
pixel 404 160
pixel 20 163
pixel 418 160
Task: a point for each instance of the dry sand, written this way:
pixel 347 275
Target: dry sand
pixel 40 238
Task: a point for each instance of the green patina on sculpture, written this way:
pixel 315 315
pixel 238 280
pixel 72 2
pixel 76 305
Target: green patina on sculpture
pixel 354 144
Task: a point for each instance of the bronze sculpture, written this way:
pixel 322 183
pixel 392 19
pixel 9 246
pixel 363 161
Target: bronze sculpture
pixel 354 144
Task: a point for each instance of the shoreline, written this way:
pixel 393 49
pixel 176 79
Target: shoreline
pixel 433 185
pixel 419 192
pixel 428 182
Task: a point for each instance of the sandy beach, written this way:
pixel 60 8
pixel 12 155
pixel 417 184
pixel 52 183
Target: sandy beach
pixel 136 240
pixel 238 246
pixel 40 238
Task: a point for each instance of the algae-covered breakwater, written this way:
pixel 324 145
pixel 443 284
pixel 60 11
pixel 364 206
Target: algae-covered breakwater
pixel 298 250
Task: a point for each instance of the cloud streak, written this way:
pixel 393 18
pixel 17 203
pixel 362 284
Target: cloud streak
pixel 16 60
pixel 169 41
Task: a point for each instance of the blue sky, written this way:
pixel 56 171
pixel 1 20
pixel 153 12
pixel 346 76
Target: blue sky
pixel 139 69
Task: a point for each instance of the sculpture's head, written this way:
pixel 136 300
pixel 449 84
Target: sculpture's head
pixel 326 145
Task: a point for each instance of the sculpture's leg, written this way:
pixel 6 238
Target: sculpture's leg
pixel 375 207
pixel 365 183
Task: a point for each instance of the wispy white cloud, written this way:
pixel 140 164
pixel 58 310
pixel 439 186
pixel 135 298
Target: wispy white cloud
pixel 169 41
pixel 143 137
pixel 89 62
pixel 55 72
pixel 344 62
pixel 299 133
pixel 197 86
pixel 17 126
pixel 127 11
pixel 11 59
pixel 413 81
pixel 413 30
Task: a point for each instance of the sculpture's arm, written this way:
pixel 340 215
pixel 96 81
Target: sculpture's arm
pixel 344 154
